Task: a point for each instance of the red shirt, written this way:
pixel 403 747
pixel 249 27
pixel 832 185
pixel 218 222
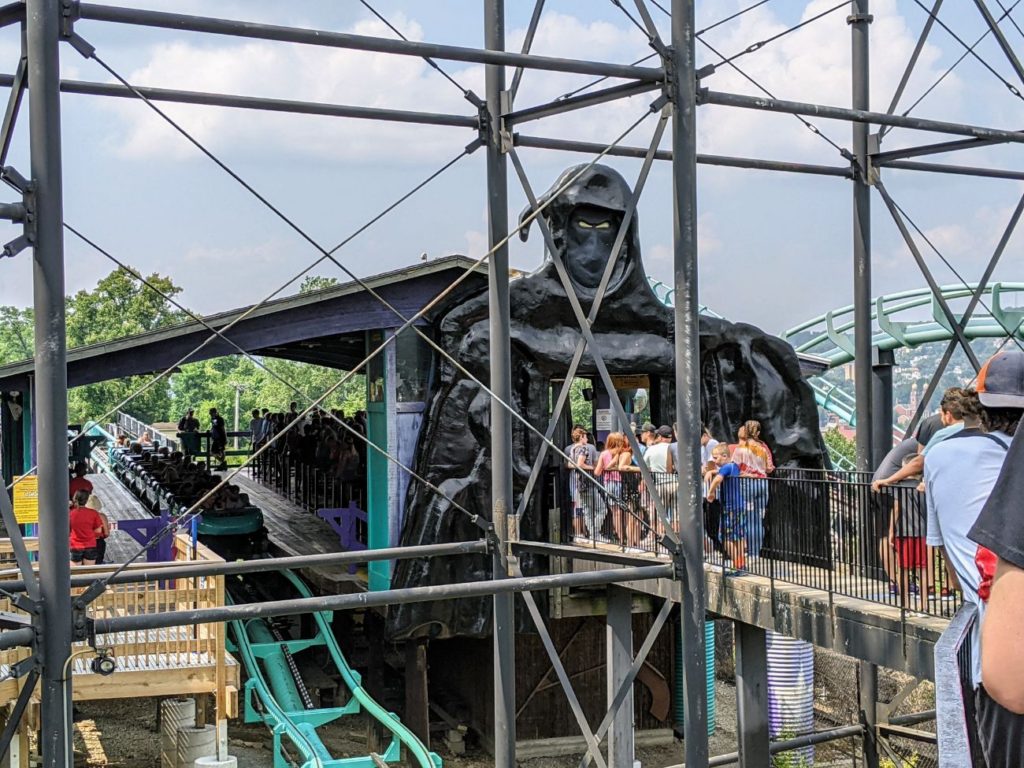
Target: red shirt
pixel 79 484
pixel 84 522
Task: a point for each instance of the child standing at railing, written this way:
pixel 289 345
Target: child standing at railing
pixel 734 523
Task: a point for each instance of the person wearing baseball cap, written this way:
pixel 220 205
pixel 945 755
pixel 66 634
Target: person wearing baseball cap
pixel 961 474
pixel 999 530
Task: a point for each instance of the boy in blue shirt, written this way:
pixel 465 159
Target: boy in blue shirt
pixel 734 522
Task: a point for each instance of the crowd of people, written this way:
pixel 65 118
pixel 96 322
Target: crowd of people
pixel 963 462
pixel 611 504
pixel 328 442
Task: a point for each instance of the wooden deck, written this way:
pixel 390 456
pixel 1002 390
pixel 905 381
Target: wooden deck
pixel 118 504
pixel 183 660
pixel 295 532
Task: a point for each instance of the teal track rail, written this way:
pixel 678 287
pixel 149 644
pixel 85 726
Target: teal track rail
pixel 270 681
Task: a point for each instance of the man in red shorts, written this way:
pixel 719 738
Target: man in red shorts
pixel 907 531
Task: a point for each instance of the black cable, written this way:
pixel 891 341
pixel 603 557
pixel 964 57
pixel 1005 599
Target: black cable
pixel 807 124
pixel 762 43
pixel 954 65
pixel 618 4
pixel 1006 13
pixel 970 50
pixel 600 80
pixel 727 18
pixel 465 91
pixel 718 23
pixel 1010 334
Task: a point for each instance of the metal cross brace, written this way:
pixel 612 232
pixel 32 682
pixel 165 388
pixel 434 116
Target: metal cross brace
pixel 934 286
pixel 531 31
pixel 975 299
pixel 626 686
pixel 20 705
pixel 593 744
pixel 581 344
pixel 1001 38
pixel 574 302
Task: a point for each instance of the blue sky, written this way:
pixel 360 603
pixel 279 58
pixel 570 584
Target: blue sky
pixel 775 247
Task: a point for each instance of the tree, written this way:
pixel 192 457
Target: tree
pixel 840 447
pixel 312 283
pixel 17 340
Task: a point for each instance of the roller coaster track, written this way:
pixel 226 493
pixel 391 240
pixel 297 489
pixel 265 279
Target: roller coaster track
pixel 273 695
pixel 904 321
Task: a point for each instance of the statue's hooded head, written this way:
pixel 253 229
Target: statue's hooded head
pixel 584 219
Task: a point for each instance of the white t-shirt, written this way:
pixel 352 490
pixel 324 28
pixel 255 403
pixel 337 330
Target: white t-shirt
pixel 705 452
pixel 656 457
pixel 959 475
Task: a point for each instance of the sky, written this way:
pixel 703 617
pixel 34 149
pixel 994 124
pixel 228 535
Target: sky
pixel 775 249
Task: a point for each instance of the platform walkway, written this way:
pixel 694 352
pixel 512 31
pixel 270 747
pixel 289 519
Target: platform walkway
pixel 177 661
pixel 295 532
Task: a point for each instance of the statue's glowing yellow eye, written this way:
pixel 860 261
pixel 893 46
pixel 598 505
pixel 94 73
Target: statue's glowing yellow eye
pixel 584 224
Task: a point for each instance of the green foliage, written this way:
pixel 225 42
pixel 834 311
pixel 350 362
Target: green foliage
pixel 839 446
pixel 119 306
pixel 312 283
pixel 582 411
pixel 211 383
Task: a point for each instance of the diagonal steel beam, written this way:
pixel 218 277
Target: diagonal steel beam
pixel 652 29
pixel 13 106
pixel 1001 39
pixel 595 350
pixel 560 106
pixel 581 345
pixel 18 545
pixel 626 687
pixel 593 744
pixel 20 705
pixel 934 286
pixel 922 38
pixel 971 306
pixel 531 31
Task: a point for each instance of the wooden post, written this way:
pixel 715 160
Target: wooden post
pixel 417 700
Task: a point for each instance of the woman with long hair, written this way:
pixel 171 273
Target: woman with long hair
pixel 754 458
pixel 607 470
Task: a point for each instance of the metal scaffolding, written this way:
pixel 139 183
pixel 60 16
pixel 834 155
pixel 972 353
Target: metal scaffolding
pixel 677 90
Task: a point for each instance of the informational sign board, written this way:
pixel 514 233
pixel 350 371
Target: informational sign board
pixel 632 381
pixel 604 419
pixel 26 499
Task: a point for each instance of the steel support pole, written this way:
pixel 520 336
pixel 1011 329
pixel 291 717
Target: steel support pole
pixel 752 695
pixel 501 384
pixel 690 553
pixel 882 363
pixel 859 20
pixel 868 684
pixel 619 658
pixel 43 18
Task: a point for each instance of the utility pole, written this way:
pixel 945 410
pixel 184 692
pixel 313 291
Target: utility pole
pixel 690 557
pixel 501 384
pixel 42 28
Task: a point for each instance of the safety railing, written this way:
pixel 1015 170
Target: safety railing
pixel 306 485
pixel 135 429
pixel 184 650
pixel 821 529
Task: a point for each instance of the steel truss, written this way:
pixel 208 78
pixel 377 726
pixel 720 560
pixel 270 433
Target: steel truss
pixel 677 90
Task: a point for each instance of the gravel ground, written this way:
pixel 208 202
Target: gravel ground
pixel 122 733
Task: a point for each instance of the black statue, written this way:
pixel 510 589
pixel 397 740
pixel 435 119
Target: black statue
pixel 746 374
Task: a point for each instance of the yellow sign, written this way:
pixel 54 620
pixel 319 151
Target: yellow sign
pixel 632 381
pixel 26 499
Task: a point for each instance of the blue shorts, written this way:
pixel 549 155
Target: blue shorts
pixel 734 524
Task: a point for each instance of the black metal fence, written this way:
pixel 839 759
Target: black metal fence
pixel 822 529
pixel 307 485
